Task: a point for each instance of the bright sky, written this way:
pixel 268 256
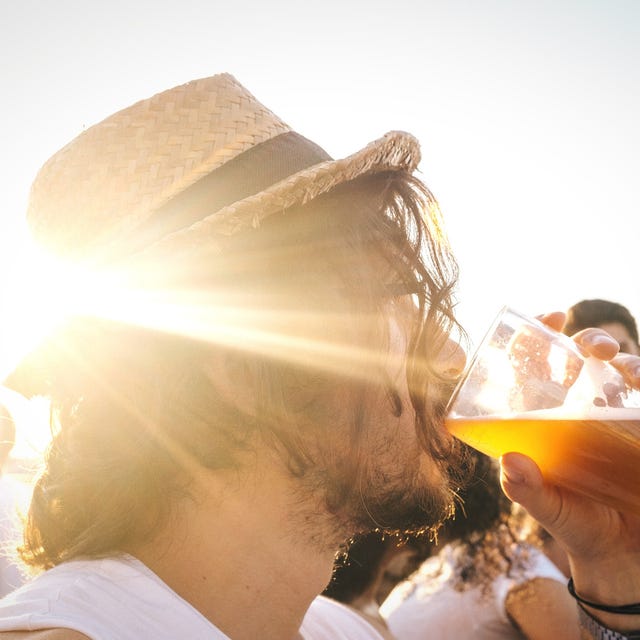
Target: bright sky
pixel 527 112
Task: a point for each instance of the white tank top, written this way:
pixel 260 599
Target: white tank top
pixel 121 599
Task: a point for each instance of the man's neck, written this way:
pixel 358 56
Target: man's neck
pixel 238 554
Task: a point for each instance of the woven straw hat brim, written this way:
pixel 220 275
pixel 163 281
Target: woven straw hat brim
pixel 397 150
pixel 106 192
pixel 111 178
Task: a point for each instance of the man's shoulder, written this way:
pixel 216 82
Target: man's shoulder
pixel 326 618
pixel 44 634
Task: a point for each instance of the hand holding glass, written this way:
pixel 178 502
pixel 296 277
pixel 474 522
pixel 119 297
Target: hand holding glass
pixel 529 389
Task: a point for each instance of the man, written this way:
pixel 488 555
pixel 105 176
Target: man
pixel 212 452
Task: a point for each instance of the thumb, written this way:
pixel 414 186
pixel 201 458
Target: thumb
pixel 523 483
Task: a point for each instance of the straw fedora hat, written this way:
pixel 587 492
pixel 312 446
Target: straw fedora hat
pixel 176 169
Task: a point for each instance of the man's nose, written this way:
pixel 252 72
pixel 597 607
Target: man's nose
pixel 451 359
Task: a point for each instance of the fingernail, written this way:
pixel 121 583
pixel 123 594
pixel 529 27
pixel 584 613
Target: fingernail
pixel 512 470
pixel 597 339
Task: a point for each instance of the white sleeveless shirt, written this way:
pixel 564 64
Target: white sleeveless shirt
pixel 121 599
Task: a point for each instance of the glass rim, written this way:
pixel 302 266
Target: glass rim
pixel 505 309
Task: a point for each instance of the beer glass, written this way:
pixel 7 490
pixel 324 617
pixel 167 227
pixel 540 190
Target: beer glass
pixel 530 389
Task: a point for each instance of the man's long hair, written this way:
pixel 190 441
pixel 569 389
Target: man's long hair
pixel 135 410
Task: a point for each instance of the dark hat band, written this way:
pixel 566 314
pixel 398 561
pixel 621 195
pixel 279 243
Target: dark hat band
pixel 245 175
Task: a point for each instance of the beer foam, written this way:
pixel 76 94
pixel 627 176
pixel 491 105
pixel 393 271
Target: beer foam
pixel 619 414
pixel 598 391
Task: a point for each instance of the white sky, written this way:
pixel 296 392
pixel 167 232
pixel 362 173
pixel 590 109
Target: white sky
pixel 527 112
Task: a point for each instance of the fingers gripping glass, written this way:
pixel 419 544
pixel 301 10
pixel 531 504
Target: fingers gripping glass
pixel 529 389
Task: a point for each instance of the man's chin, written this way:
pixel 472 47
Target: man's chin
pixel 409 512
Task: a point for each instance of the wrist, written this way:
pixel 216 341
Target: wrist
pixel 615 583
pixel 614 612
pixel 619 622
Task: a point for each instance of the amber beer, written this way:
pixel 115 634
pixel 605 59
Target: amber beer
pixel 598 457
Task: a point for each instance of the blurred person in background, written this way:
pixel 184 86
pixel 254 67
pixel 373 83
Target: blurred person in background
pixel 613 317
pixel 499 576
pixel 370 566
pixel 12 501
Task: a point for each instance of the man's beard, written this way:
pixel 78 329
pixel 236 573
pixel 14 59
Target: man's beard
pixel 410 503
pixel 418 490
pixel 400 481
pixel 409 497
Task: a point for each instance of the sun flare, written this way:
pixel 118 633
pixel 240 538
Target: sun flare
pixel 44 292
pixel 47 292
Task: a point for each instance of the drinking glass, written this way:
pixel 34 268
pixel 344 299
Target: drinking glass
pixel 530 389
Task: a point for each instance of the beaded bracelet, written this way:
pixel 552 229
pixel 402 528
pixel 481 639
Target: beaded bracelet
pixel 598 631
pixel 626 609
